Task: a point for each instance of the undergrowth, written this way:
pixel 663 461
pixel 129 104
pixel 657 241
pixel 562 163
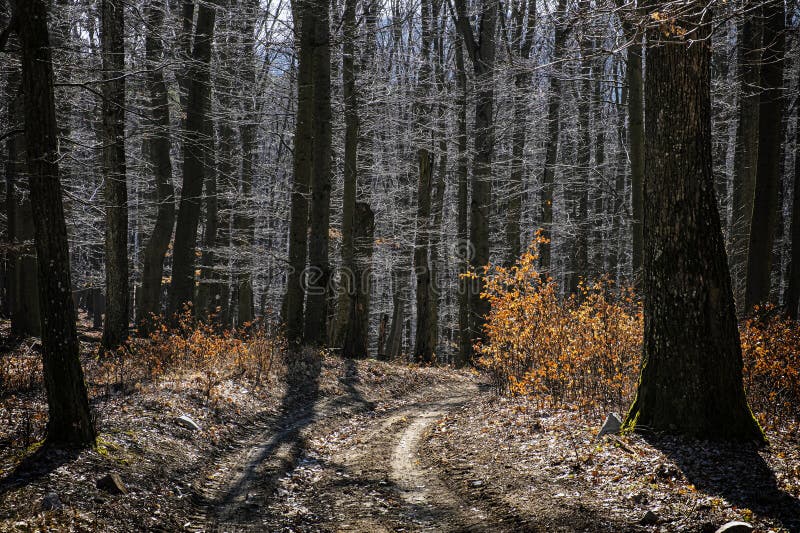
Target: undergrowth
pixel 583 351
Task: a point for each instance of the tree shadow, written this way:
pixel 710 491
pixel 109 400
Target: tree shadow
pixel 37 465
pixel 273 459
pixel 736 472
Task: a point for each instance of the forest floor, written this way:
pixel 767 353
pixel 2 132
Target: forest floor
pixel 335 445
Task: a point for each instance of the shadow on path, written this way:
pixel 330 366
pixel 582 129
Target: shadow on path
pixel 268 462
pixel 37 465
pixel 735 472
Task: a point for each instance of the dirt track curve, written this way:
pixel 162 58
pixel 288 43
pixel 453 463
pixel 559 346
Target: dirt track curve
pixel 342 464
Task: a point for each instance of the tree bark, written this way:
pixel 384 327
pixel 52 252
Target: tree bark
pixel 351 137
pixel 553 131
pixel 356 337
pixel 293 310
pixel 115 330
pixel 70 421
pixel 636 147
pixel 149 303
pixel 482 52
pixel 691 375
pixel 792 296
pixel 244 220
pixel 464 351
pixel 198 105
pixel 765 199
pixel 580 190
pixel 524 20
pixel 316 325
pixel 746 150
pixel 423 348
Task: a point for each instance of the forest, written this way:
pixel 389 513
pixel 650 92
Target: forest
pixel 400 265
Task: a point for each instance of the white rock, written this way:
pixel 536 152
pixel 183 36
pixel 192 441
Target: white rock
pixel 735 527
pixel 187 422
pixel 612 425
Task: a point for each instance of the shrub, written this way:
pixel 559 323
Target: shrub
pixel 580 351
pixel 584 350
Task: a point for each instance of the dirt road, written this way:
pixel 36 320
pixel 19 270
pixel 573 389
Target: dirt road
pixel 344 464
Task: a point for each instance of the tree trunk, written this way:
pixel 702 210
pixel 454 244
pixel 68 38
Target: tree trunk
pixel 208 287
pixel 553 130
pixel 316 325
pixel 351 137
pixel 394 343
pixel 792 296
pixel 159 151
pixel 746 151
pixel 423 348
pixel 115 330
pixel 636 148
pixel 23 290
pixel 482 52
pixel 293 313
pixel 462 250
pixel 580 256
pixel 600 187
pixel 691 375
pixel 70 421
pixel 194 168
pixel 765 199
pixel 244 220
pixel 524 32
pixel 356 338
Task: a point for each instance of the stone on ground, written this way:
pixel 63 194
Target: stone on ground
pixel 112 484
pixel 735 527
pixel 187 422
pixel 611 426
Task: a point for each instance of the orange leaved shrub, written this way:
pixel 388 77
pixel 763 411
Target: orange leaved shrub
pixel 580 351
pixel 771 356
pixel 584 351
pixel 215 354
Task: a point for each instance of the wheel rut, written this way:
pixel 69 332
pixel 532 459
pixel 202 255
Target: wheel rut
pixel 342 465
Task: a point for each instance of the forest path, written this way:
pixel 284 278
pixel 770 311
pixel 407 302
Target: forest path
pixel 341 464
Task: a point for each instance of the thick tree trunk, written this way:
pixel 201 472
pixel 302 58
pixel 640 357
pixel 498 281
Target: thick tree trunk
pixel 316 325
pixel 691 376
pixel 115 330
pixel 194 169
pixel 70 421
pixel 159 151
pixel 746 151
pixel 770 138
pixel 293 314
pixel 26 314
